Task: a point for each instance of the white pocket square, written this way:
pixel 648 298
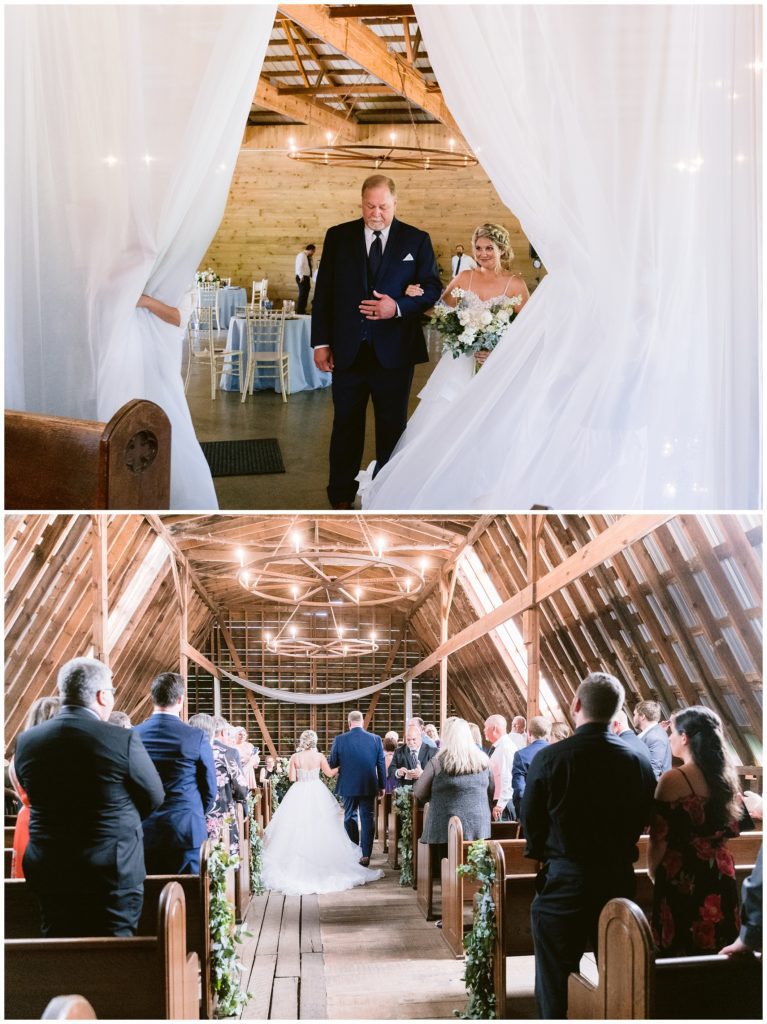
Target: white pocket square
pixel 408 257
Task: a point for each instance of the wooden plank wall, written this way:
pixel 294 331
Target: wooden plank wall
pixel 277 205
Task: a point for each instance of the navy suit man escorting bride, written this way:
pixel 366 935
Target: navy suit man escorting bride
pixel 306 848
pixel 367 330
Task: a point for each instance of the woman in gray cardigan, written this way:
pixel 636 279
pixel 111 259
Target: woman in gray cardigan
pixel 455 781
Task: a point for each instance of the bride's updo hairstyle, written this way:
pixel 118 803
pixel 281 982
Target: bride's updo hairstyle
pixel 499 236
pixel 308 740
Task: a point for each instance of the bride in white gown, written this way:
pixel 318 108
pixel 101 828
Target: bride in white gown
pixel 306 848
pixel 393 487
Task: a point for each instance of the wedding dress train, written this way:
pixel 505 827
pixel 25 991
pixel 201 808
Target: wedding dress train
pixel 306 848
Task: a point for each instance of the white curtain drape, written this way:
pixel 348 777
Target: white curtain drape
pixel 123 125
pixel 295 697
pixel 627 141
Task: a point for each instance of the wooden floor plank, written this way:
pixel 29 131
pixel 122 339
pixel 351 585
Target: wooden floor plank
pixel 259 985
pixel 252 924
pixel 313 996
pixel 311 936
pixel 288 951
pixel 284 999
pixel 269 938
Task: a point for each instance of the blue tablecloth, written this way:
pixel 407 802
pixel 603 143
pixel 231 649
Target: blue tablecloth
pixel 304 375
pixel 228 298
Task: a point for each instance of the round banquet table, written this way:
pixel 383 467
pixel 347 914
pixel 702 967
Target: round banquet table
pixel 304 375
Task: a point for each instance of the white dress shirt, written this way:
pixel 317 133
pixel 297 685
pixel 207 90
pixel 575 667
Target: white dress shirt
pixel 302 264
pixel 467 263
pixel 500 765
pixel 519 739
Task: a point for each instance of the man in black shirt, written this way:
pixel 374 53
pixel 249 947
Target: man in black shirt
pixel 586 802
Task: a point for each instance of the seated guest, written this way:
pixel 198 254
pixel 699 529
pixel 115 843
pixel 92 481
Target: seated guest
pixel 502 751
pixel 647 716
pixel 430 730
pixel 409 760
pixel 560 731
pixel 390 741
pixel 538 738
pixel 455 782
pixel 42 710
pixel 620 726
pixel 587 800
pixel 121 719
pixel 267 770
pixel 750 938
pixel 419 724
pixel 695 906
pixel 184 759
pixel 89 785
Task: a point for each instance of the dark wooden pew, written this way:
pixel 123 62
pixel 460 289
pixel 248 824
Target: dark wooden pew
pixel 9 833
pixel 69 1008
pixel 8 863
pixel 22 916
pixel 134 978
pixel 55 462
pixel 266 801
pixel 242 892
pixel 634 984
pixel 458 892
pixel 513 895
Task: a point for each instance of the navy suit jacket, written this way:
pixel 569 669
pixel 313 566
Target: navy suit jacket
pixel 635 743
pixel 519 767
pixel 659 746
pixel 184 758
pixel 89 785
pixel 360 756
pixel 342 284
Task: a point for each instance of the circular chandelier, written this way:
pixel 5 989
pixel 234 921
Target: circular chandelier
pixel 384 157
pixel 293 646
pixel 316 578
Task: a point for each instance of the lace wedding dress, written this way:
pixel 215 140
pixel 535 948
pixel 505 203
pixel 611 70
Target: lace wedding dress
pixel 306 848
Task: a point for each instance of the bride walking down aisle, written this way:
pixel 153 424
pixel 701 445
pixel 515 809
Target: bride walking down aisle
pixel 306 848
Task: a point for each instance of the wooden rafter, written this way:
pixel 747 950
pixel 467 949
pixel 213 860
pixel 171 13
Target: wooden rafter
pixel 408 41
pixel 314 115
pixel 360 44
pixel 285 25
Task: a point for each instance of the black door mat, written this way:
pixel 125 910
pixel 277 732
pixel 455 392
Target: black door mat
pixel 244 458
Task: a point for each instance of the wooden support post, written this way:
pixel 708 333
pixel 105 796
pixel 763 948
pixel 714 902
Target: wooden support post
pixel 216 695
pixel 183 631
pixel 251 698
pixel 531 617
pixel 100 588
pixel 408 701
pixel 446 592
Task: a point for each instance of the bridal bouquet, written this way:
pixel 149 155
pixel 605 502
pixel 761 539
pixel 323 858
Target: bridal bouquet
pixel 208 276
pixel 466 329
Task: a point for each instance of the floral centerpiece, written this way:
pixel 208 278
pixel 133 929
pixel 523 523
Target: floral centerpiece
pixel 467 329
pixel 208 276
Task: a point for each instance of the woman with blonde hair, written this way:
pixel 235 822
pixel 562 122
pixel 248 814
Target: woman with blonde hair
pixel 306 848
pixel 479 290
pixel 455 782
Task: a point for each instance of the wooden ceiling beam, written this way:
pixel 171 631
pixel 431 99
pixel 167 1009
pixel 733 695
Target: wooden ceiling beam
pixel 312 114
pixel 617 537
pixel 386 12
pixel 162 531
pixel 360 44
pixel 352 89
pixel 285 25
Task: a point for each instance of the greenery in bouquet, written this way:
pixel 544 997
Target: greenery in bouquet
pixel 467 329
pixel 208 276
pixel 280 781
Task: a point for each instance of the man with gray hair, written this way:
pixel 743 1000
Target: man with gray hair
pixel 360 756
pixel 89 785
pixel 586 802
pixel 502 752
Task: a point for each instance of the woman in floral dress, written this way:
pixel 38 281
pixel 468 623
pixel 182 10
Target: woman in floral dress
pixel 695 909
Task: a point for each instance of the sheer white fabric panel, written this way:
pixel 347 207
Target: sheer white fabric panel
pixel 123 125
pixel 627 141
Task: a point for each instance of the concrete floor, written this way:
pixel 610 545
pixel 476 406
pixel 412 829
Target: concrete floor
pixel 302 426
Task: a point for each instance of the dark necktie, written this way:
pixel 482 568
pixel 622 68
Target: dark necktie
pixel 411 754
pixel 375 256
pixel 458 266
pixel 309 259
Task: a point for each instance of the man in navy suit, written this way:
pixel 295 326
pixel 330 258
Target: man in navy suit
pixel 89 785
pixel 367 330
pixel 538 732
pixel 647 716
pixel 623 731
pixel 360 756
pixel 184 758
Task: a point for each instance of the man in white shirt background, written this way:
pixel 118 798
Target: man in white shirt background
pixel 461 261
pixel 518 733
pixel 304 276
pixel 501 762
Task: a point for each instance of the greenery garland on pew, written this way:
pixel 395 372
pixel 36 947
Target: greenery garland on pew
pixel 225 966
pixel 478 944
pixel 403 806
pixel 256 849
